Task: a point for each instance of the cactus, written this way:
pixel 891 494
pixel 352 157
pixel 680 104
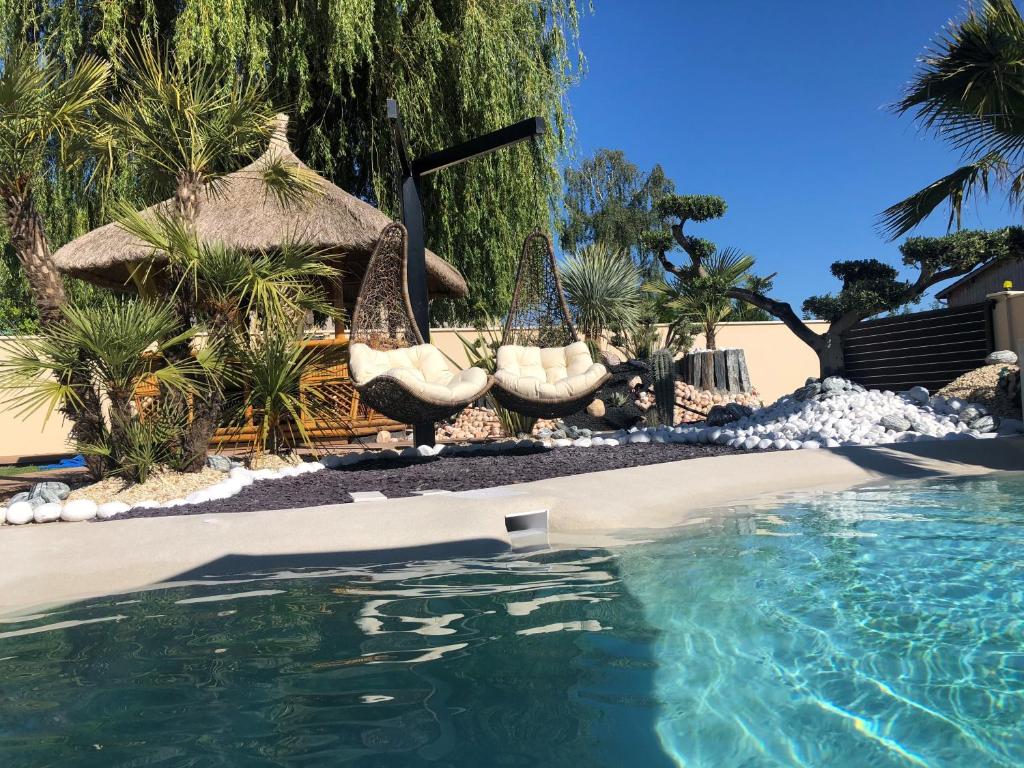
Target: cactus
pixel 663 370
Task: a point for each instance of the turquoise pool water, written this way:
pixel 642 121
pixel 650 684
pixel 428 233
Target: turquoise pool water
pixel 876 627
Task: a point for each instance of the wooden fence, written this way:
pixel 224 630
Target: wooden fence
pixel 929 349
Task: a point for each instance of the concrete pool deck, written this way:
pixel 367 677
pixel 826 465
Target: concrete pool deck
pixel 47 565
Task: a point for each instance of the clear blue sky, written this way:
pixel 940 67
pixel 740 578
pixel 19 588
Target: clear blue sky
pixel 780 109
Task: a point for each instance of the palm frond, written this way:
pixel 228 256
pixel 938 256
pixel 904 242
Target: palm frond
pixel 955 189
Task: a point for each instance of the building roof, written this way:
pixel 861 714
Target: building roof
pixel 970 277
pixel 241 214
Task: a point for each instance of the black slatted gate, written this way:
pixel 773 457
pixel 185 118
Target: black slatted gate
pixel 929 349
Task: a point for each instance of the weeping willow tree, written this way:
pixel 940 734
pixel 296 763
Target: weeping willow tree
pixel 457 67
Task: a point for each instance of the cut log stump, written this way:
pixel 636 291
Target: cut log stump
pixel 720 370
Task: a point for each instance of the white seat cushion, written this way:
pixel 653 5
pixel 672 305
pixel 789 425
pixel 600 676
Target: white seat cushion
pixel 422 369
pixel 548 374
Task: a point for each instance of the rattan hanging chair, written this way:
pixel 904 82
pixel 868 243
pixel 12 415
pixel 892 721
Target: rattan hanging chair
pixel 543 369
pixel 393 370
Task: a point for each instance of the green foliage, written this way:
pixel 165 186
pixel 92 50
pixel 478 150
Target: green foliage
pixel 967 92
pixel 457 67
pixel 135 448
pixel 870 287
pixel 691 207
pixel 704 298
pixel 181 120
pixel 609 199
pixel 95 359
pixel 866 283
pixel 268 370
pixel 663 369
pixel 482 352
pixel 44 113
pixel 602 286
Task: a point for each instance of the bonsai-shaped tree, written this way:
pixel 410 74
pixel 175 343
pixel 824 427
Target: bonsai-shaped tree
pixel 699 291
pixel 869 287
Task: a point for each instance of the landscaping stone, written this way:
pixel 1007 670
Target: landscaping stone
pixel 919 395
pixel 895 423
pixel 79 510
pixel 1002 356
pixel 47 512
pixel 19 513
pixel 112 509
pixel 219 463
pixel 596 409
pixel 384 437
pixel 49 491
pixel 360 496
pixel 26 497
pixel 639 437
pixel 834 384
pixel 985 424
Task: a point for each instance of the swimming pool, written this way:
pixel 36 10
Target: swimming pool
pixel 880 627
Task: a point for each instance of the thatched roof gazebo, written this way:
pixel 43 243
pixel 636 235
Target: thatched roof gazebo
pixel 243 214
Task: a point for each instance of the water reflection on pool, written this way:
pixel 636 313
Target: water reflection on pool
pixel 874 627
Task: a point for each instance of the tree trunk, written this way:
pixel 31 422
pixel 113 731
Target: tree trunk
pixel 831 361
pixel 29 242
pixel 710 338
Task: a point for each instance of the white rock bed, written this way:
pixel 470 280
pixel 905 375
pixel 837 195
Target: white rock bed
pixel 846 418
pixel 79 510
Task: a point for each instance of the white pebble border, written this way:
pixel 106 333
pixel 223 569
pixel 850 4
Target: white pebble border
pixel 79 510
pixel 847 418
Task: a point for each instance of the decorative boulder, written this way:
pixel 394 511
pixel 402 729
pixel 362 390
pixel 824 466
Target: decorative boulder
pixel 219 463
pixel 49 491
pixel 895 423
pixel 78 510
pixel 47 512
pixel 596 408
pixel 808 391
pixel 919 395
pixel 834 384
pixel 971 413
pixel 985 424
pixel 111 509
pixel 19 513
pixel 1002 356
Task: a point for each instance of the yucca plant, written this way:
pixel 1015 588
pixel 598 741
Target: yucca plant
pixel 275 391
pixel 93 360
pixel 603 288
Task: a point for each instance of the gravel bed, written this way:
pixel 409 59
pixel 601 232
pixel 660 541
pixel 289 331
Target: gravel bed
pixel 401 477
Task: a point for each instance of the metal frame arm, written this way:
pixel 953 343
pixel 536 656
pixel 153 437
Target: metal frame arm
pixel 480 146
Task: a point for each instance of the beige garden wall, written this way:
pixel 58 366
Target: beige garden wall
pixel 1008 319
pixel 777 360
pixel 28 438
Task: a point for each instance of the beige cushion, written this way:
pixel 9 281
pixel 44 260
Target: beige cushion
pixel 548 374
pixel 422 369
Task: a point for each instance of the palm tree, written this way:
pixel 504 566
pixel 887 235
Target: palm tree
pixel 603 287
pixel 40 110
pixel 970 93
pixel 92 361
pixel 187 125
pixel 225 287
pixel 704 298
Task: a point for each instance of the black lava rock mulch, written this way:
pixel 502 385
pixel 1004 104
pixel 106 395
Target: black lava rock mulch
pixel 453 473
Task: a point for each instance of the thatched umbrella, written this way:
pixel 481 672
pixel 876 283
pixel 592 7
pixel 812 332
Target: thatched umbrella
pixel 243 214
